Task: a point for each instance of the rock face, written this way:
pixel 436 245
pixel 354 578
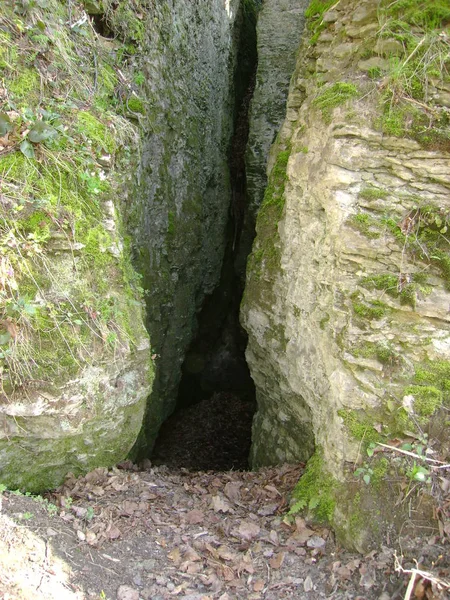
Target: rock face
pixel 346 302
pixel 181 216
pixel 279 29
pixel 75 368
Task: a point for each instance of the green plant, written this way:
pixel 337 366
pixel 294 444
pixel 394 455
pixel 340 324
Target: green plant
pixel 419 473
pixel 333 96
pixel 365 472
pixel 314 13
pixel 26 516
pixel 417 25
pixel 316 490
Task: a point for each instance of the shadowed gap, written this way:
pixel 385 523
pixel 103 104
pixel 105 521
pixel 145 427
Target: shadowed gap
pixel 211 425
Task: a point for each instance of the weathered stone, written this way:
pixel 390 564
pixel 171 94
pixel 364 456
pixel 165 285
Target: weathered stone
pixel 330 16
pixel 179 218
pixel 330 333
pixel 365 12
pixel 389 47
pixel 280 25
pixel 442 99
pixel 376 62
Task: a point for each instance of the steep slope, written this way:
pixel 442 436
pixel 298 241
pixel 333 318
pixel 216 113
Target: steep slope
pixel 75 365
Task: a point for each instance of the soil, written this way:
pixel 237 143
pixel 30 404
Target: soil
pixel 213 434
pixel 161 532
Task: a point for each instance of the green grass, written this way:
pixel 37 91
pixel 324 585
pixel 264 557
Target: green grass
pixel 333 96
pixel 418 26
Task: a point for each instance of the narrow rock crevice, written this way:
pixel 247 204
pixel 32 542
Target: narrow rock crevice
pixel 211 425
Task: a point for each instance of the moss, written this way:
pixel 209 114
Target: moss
pixel 25 88
pixel 380 468
pixel 370 310
pixel 435 373
pixel 383 352
pixel 135 105
pixel 171 223
pixel 274 193
pixel 385 282
pixel 265 255
pixel 365 224
pixel 334 96
pixel 373 193
pixel 359 425
pixel 96 131
pixel 316 490
pixel 427 399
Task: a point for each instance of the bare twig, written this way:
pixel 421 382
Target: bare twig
pixel 413 454
pixel 438 581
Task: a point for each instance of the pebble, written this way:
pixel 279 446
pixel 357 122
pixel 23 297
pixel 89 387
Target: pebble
pixel 315 542
pixel 126 592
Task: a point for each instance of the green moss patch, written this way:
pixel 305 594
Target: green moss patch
pixel 316 490
pixel 333 96
pixel 427 399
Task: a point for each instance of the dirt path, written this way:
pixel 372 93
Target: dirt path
pixel 161 534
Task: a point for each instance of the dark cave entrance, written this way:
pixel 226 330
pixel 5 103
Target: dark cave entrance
pixel 210 428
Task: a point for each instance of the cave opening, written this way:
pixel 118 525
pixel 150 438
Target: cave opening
pixel 210 428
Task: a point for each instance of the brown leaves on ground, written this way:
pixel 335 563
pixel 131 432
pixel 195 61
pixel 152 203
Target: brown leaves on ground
pixel 169 534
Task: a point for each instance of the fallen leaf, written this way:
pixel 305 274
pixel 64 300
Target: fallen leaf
pixel 277 560
pixel 232 491
pixel 315 542
pixel 248 530
pixel 419 589
pixel 273 538
pixel 258 585
pixel 128 507
pixel 191 555
pixel 268 509
pixel 127 593
pixel 220 505
pixel 113 532
pixel 194 517
pixel 175 556
pixel 226 553
pixel 91 538
pixel 308 584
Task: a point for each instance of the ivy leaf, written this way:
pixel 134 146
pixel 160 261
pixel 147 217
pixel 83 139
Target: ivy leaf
pixel 5 124
pixel 4 338
pixel 366 479
pixel 27 149
pixel 40 132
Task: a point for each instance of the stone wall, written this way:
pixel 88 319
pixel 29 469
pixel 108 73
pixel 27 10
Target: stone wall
pixel 279 29
pixel 346 306
pixel 180 218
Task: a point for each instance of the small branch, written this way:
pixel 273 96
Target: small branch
pixel 441 583
pixel 408 453
pixel 411 583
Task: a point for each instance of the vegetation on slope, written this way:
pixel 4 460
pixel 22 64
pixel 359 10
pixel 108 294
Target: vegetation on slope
pixel 69 101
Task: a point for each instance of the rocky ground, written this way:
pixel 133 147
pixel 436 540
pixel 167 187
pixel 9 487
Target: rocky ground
pixel 163 532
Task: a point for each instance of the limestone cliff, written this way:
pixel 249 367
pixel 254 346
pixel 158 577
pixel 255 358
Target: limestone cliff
pixel 346 302
pixel 75 368
pixel 179 219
